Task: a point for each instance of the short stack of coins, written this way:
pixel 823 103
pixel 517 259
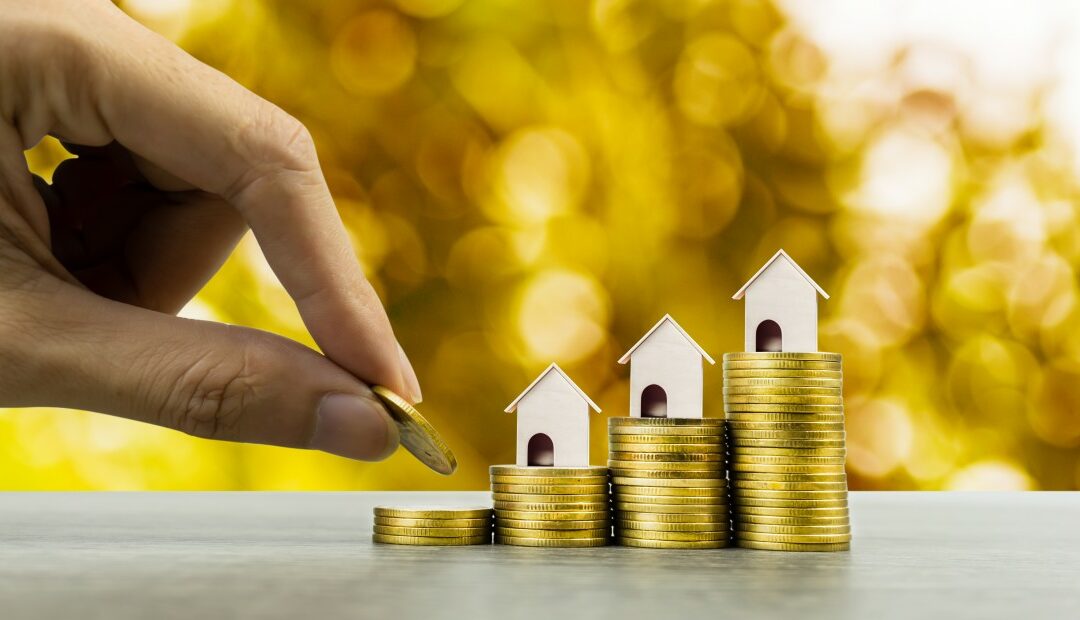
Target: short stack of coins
pixel 551 506
pixel 445 527
pixel 668 482
pixel 785 416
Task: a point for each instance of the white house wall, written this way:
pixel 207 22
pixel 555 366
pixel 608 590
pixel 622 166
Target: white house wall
pixel 554 408
pixel 782 294
pixel 669 360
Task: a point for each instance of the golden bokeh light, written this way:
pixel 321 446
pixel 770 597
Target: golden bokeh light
pixel 535 182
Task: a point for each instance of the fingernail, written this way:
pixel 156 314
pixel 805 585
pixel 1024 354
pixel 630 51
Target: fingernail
pixel 409 374
pixel 354 427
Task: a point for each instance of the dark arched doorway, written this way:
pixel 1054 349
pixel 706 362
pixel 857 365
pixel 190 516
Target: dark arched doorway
pixel 541 450
pixel 653 402
pixel 769 337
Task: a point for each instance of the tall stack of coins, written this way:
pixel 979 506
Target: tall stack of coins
pixel 432 526
pixel 786 418
pixel 551 506
pixel 668 482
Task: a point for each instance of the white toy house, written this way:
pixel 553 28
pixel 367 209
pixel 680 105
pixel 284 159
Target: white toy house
pixel 666 373
pixel 553 421
pixel 781 307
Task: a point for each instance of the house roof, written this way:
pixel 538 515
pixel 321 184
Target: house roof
pixel 667 317
pixel 739 294
pixel 553 367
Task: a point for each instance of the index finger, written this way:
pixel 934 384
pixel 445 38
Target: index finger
pixel 202 127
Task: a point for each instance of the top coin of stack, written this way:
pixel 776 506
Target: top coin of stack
pixel 668 482
pixel 786 419
pixel 432 526
pixel 551 506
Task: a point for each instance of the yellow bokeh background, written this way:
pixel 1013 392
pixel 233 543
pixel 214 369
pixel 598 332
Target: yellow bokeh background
pixel 528 182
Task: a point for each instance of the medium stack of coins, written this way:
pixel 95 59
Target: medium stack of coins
pixel 446 527
pixel 786 418
pixel 668 482
pixel 551 506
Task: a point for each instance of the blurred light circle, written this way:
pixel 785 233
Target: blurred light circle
pixel 990 475
pixel 880 437
pixel 887 296
pixel 717 81
pixel 622 24
pixel 905 177
pixel 374 53
pixel 428 8
pixel 541 173
pixel 1055 401
pixel 562 315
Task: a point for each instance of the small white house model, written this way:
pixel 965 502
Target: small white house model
pixel 553 421
pixel 666 373
pixel 781 307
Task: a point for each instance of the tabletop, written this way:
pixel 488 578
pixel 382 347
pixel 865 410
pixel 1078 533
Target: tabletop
pixel 310 555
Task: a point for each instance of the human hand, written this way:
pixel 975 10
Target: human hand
pixel 175 161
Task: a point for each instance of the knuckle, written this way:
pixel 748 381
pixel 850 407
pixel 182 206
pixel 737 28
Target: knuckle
pixel 210 398
pixel 276 147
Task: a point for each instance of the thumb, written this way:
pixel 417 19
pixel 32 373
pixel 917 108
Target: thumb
pixel 205 379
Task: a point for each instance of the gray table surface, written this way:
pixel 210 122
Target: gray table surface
pixel 309 555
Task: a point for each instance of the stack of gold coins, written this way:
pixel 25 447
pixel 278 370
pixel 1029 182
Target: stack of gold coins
pixel 786 418
pixel 432 526
pixel 551 506
pixel 668 482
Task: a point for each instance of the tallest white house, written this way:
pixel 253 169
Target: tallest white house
pixel 781 307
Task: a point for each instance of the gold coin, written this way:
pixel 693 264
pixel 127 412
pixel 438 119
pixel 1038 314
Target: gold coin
pixel 653 423
pixel 738 466
pixel 686 476
pixel 782 365
pixel 671 508
pixel 547 472
pixel 667 500
pixel 431 541
pixel 680 536
pixel 709 467
pixel 536 524
pixel 766 381
pixel 433 512
pixel 765 546
pixel 681 433
pixel 743 503
pixel 788 452
pixel 630 524
pixel 779 408
pixel 808 512
pixel 551 542
pixel 712 481
pixel 818 530
pixel 560 515
pixel 788 435
pixel 795 538
pixel 433 532
pixel 671 544
pixel 787 485
pixel 734 417
pixel 671 491
pixel 790 443
pixel 747 476
pixel 751 519
pixel 741 494
pixel 666 457
pixel 786 426
pixel 713 439
pixel 404 522
pixel 673 517
pixel 756 399
pixel 551 480
pixel 551 489
pixel 417 434
pixel 561 498
pixel 782 355
pixel 551 506
pixel 781 373
pixel 513 532
pixel 667 448
pixel 786 459
pixel 777 390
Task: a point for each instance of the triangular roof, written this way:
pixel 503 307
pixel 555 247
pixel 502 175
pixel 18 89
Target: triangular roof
pixel 667 317
pixel 512 406
pixel 739 294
